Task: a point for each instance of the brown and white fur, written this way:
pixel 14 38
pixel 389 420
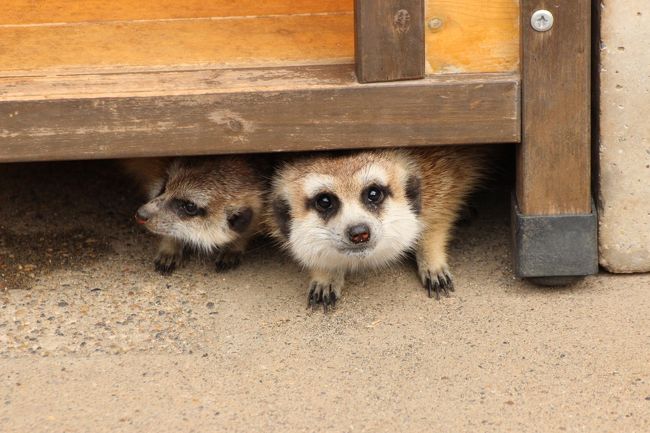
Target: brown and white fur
pixel 368 209
pixel 210 204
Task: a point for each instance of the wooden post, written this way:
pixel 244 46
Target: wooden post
pixel 554 172
pixel 389 40
pixel 554 226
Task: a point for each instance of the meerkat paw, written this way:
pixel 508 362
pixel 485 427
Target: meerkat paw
pixel 436 281
pixel 324 289
pixel 170 256
pixel 166 264
pixel 432 261
pixel 323 293
pixel 227 260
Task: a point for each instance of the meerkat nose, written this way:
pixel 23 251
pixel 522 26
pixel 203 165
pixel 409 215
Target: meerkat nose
pixel 359 233
pixel 141 217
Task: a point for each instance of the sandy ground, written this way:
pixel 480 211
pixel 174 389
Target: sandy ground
pixel 93 340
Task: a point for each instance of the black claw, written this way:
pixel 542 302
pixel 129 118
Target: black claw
pixel 310 297
pixel 436 287
pixel 443 287
pixel 427 284
pixel 321 295
pixel 227 262
pixel 439 283
pixel 223 267
pixel 165 268
pixel 449 284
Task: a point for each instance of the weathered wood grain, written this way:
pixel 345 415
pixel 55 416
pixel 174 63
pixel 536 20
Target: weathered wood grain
pixel 389 40
pixel 236 42
pixel 475 36
pixel 250 110
pixel 74 11
pixel 554 171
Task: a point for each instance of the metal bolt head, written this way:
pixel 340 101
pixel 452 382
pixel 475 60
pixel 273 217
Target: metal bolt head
pixel 542 20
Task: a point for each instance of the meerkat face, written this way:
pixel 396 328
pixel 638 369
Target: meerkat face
pixel 349 212
pixel 195 205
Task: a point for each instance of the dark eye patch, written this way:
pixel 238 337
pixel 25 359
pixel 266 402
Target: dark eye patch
pixel 374 195
pixel 326 204
pixel 240 220
pixel 187 208
pixel 282 215
pixel 413 194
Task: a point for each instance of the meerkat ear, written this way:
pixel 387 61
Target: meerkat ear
pixel 413 193
pixel 240 220
pixel 282 215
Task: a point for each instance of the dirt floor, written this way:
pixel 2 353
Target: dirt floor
pixel 93 340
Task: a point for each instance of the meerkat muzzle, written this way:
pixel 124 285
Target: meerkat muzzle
pixel 141 217
pixel 359 233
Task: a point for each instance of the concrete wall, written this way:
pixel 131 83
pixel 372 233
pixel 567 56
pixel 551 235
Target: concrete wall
pixel 625 136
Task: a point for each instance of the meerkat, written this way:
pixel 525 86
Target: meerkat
pixel 368 209
pixel 211 204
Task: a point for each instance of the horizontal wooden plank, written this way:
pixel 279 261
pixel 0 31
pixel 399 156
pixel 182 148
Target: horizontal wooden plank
pixel 251 110
pixel 70 11
pixel 472 35
pixel 147 83
pixel 240 42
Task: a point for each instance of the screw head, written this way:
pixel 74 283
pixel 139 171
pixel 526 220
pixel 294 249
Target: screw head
pixel 542 20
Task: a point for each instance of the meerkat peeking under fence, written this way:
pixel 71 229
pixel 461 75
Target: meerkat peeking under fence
pixel 368 209
pixel 211 204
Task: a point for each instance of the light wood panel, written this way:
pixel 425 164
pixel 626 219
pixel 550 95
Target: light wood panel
pixel 475 35
pixel 232 42
pixel 250 110
pixel 73 11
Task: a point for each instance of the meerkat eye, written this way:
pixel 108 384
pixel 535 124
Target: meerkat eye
pixel 190 208
pixel 323 202
pixel 375 195
pixel 186 208
pixel 326 204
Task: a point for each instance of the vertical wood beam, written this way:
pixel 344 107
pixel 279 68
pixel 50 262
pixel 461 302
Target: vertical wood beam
pixel 553 169
pixel 389 40
pixel 554 224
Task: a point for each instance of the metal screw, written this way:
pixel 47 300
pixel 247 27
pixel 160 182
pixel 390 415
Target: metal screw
pixel 434 24
pixel 542 20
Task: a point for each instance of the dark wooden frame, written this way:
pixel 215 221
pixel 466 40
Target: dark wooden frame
pixel 151 113
pixel 389 40
pixel 229 111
